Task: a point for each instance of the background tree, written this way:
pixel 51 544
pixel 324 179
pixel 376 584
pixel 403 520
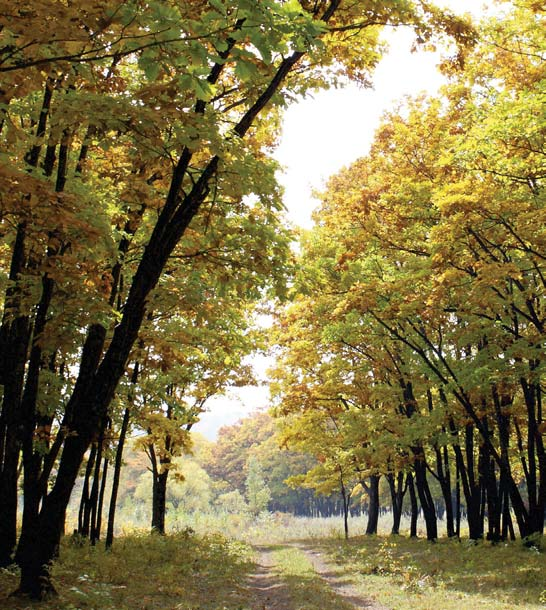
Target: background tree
pixel 257 492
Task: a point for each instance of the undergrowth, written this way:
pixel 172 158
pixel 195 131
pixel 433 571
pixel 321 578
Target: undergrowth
pixel 192 570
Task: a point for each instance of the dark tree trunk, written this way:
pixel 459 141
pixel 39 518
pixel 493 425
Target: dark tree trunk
pixel 409 408
pixel 15 337
pixel 346 499
pixel 414 506
pixel 94 496
pixel 444 479
pixel 159 501
pixel 470 482
pixel 535 473
pixel 425 498
pixel 398 491
pixel 115 481
pixel 35 560
pixel 373 504
pixel 97 520
pixel 85 509
pixel 507 525
pixel 458 501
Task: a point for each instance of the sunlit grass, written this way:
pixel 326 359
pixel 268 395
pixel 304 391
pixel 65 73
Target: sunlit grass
pixel 280 527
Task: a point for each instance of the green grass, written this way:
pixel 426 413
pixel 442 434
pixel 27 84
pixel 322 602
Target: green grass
pixel 406 574
pixel 180 572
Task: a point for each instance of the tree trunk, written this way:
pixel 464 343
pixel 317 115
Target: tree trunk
pixel 414 506
pixel 346 499
pixel 85 509
pixel 36 557
pixel 398 491
pixel 425 498
pixel 469 480
pixel 97 524
pixel 94 497
pixel 15 337
pixel 458 501
pixel 373 504
pixel 14 355
pixel 115 481
pixel 159 501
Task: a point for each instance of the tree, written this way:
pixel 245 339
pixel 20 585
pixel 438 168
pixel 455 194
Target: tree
pixel 257 492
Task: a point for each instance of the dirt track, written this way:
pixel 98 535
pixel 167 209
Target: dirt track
pixel 269 592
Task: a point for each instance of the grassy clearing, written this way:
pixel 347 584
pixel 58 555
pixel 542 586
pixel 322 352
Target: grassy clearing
pixel 276 528
pixel 405 574
pixel 308 591
pixel 181 572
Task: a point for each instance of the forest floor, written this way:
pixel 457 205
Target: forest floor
pixel 187 571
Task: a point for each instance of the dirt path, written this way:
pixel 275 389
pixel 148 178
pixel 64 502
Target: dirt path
pixel 337 581
pixel 270 592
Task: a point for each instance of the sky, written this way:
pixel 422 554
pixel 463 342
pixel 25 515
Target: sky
pixel 348 118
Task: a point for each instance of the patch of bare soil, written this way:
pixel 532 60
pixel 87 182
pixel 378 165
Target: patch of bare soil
pixel 336 581
pixel 266 587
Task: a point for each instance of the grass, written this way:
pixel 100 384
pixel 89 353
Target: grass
pixel 276 528
pixel 405 574
pixel 199 571
pixel 180 572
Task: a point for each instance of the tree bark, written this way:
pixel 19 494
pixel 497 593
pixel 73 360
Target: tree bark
pixel 97 521
pixel 425 498
pixel 346 499
pixel 398 491
pixel 85 511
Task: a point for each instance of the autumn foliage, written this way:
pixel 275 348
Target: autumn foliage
pixel 414 346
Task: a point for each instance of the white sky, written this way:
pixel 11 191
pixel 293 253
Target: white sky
pixel 310 154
